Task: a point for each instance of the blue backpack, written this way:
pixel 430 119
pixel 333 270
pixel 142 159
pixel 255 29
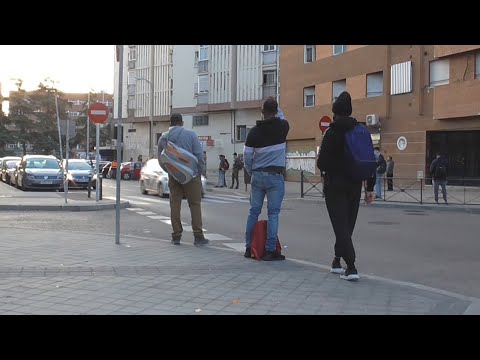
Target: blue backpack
pixel 360 162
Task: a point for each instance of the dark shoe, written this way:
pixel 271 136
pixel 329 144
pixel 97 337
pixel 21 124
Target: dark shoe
pixel 272 256
pixel 248 253
pixel 231 187
pixel 200 240
pixel 336 266
pixel 236 187
pixel 176 241
pixel 350 274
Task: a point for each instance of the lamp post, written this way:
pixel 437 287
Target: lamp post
pixel 150 82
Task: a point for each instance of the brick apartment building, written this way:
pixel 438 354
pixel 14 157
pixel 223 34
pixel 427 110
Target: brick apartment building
pixel 416 100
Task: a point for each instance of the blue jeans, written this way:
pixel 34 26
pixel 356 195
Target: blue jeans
pixel 221 178
pixel 272 185
pixel 378 185
pixel 443 184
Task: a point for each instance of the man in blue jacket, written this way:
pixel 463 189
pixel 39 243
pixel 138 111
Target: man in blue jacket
pixel 187 140
pixel 264 158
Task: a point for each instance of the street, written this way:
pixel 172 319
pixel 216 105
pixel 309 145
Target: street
pixel 431 248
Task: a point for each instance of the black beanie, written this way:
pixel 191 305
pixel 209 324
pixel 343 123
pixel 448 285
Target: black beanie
pixel 343 104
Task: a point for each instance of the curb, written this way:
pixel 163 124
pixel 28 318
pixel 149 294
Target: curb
pixel 473 209
pixel 64 207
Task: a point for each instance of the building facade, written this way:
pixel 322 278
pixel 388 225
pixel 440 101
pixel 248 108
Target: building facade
pixel 416 100
pixel 217 88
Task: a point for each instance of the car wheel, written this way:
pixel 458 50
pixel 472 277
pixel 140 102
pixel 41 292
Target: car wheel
pixel 126 176
pixel 109 175
pixel 142 188
pixel 160 190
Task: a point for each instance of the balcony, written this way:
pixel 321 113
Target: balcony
pixel 202 98
pixel 269 57
pixel 456 100
pixel 203 66
pixel 269 90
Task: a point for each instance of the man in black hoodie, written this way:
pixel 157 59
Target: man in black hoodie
pixel 342 195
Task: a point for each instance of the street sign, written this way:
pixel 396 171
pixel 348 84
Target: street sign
pixel 324 123
pixel 98 113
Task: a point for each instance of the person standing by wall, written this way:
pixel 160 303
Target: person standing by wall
pixel 222 168
pixel 439 172
pixel 132 168
pixel 390 166
pixel 381 169
pixel 237 166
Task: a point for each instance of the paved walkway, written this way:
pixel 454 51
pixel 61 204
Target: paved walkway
pixel 44 272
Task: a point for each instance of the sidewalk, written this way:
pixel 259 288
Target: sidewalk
pixel 71 273
pixel 395 199
pixel 12 199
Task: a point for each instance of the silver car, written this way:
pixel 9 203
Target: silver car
pixel 154 179
pixel 79 173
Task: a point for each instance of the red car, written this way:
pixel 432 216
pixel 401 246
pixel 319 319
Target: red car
pixel 125 171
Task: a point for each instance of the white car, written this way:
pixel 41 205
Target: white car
pixel 154 179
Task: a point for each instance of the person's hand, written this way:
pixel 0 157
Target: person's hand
pixel 369 196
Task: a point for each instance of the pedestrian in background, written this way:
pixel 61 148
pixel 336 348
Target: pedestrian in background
pixel 439 172
pixel 390 166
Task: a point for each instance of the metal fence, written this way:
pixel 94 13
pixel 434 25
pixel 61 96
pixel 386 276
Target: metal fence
pixel 466 191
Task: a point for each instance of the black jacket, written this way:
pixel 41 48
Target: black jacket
pixel 331 160
pixel 433 167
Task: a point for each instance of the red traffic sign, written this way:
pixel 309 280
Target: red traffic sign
pixel 324 123
pixel 98 113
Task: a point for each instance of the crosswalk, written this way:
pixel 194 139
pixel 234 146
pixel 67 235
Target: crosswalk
pixel 223 240
pixel 150 199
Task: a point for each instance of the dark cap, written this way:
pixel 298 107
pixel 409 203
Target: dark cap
pixel 343 104
pixel 234 154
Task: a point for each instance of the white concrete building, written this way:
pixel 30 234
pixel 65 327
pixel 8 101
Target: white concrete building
pixel 138 76
pixel 219 90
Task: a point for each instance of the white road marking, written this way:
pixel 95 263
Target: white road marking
pixel 189 228
pixel 159 217
pixel 145 213
pixel 236 246
pixel 135 209
pixel 217 237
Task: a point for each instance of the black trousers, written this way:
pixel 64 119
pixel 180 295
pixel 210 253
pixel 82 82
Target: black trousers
pixel 343 199
pixel 390 181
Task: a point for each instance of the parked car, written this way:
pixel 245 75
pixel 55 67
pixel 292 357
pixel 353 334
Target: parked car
pixel 154 179
pixel 79 173
pixel 8 170
pixel 39 172
pixel 125 170
pixel 3 161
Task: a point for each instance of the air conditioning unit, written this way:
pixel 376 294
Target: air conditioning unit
pixel 373 120
pixel 114 142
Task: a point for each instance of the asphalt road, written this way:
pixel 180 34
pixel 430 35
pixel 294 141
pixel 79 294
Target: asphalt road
pixel 433 248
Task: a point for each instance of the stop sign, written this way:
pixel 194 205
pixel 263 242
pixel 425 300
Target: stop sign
pixel 98 113
pixel 324 123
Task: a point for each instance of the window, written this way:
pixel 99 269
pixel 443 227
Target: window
pixel 268 47
pixel 339 49
pixel 203 53
pixel 439 72
pixel 401 78
pixel 338 87
pixel 269 77
pixel 477 66
pixel 309 53
pixel 242 132
pixel 309 96
pixel 196 59
pixel 74 113
pixel 132 130
pixel 132 53
pixel 202 83
pixel 375 84
pixel 200 120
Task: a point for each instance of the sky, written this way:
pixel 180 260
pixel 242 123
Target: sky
pixel 74 68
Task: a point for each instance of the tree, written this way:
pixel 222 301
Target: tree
pixel 22 116
pixel 81 134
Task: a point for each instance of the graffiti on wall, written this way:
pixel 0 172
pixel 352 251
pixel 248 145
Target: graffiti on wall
pixel 301 161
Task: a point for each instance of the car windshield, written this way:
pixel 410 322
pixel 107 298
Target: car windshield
pixel 11 164
pixel 79 165
pixel 38 163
